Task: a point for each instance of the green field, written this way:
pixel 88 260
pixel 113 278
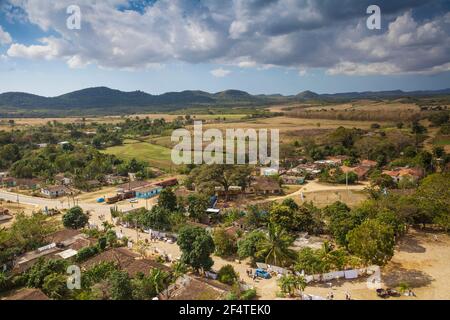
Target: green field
pixel 154 155
pixel 442 142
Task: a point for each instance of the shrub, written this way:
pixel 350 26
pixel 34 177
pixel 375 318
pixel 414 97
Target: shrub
pixel 249 294
pixel 86 253
pixel 227 275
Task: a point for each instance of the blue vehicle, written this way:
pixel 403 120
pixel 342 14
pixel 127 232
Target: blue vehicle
pixel 100 200
pixel 260 273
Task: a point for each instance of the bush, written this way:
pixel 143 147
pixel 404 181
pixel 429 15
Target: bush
pixel 227 275
pixel 102 243
pixel 86 253
pixel 375 126
pixel 5 282
pixel 249 294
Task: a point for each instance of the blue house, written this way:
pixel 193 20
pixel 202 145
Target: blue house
pixel 148 192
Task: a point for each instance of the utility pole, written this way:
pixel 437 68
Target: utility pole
pixel 346 183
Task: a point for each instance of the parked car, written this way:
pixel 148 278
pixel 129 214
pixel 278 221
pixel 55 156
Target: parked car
pixel 260 273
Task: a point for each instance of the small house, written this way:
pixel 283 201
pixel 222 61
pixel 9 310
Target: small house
pixel 360 171
pixel 167 183
pixel 148 192
pixel 113 179
pixel 56 191
pixel 264 186
pixel 133 185
pixel 293 180
pixel 369 163
pixel 61 179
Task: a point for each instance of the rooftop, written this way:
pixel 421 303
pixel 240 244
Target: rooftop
pixel 27 294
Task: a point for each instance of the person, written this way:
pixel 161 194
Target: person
pixel 348 296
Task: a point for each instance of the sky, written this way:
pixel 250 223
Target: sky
pixel 259 46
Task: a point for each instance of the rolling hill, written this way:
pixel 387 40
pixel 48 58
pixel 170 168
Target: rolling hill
pixel 105 100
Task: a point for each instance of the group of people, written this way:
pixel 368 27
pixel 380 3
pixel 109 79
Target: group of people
pixel 330 296
pixel 250 274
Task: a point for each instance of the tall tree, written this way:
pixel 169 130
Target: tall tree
pixel 372 241
pixel 75 218
pixel 196 246
pixel 168 200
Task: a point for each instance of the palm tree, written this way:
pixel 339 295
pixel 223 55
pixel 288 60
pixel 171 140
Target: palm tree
pixel 159 279
pixel 275 248
pixel 290 283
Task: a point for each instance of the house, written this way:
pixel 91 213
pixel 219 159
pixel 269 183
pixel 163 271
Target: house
pixel 325 163
pixel 337 160
pixel 113 179
pixel 27 294
pixel 93 184
pixel 310 169
pixel 8 182
pixel 369 163
pixel 30 184
pixel 293 180
pixel 264 186
pixel 195 288
pixel 128 261
pixel 56 191
pixel 167 183
pixel 400 174
pixel 360 171
pixel 233 191
pixel 61 179
pixel 148 192
pixel 58 242
pixel 133 185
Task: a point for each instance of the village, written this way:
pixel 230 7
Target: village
pixel 117 207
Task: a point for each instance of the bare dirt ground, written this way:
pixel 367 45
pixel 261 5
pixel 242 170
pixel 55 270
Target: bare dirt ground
pixel 14 209
pixel 420 261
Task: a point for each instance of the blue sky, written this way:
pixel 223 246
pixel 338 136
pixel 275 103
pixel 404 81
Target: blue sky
pixel 274 46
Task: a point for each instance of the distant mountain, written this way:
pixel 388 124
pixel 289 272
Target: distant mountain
pixel 307 95
pixel 235 95
pixel 106 100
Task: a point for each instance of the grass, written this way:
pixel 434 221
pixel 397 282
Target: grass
pixel 442 142
pixel 154 155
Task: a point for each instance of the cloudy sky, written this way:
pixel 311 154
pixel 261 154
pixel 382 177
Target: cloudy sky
pixel 261 46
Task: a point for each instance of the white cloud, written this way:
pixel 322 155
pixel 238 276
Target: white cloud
pixel 360 69
pixel 5 37
pixel 50 48
pixel 248 34
pixel 220 73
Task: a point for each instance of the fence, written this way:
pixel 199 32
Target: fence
pixel 324 277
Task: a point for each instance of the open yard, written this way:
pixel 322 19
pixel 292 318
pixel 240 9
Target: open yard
pixel 154 155
pixel 421 260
